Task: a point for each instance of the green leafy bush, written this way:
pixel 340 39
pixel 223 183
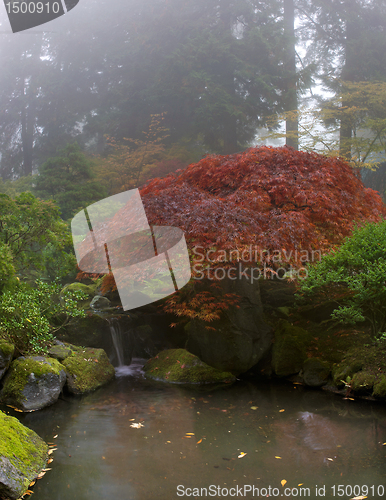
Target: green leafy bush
pixel 30 315
pixel 355 274
pixel 34 234
pixel 7 269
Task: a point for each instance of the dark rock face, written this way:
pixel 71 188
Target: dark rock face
pixel 277 293
pixel 6 354
pixel 315 372
pixel 32 383
pixel 95 332
pixel 238 340
pixel 289 349
pixel 23 454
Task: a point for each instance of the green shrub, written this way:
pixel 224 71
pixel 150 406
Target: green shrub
pixel 355 274
pixel 29 316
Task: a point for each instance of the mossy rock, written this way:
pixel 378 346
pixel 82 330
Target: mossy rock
pixel 178 366
pixel 379 389
pixel 363 381
pixel 316 372
pixel 91 331
pixel 346 370
pixel 23 454
pixel 59 352
pixel 33 382
pixel 289 349
pixel 80 287
pixel 87 369
pixel 99 303
pixel 6 354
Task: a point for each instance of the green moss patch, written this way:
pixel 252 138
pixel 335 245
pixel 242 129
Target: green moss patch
pixel 59 352
pixel 23 454
pixel 179 366
pixel 87 369
pixel 289 349
pixel 364 369
pixel 7 349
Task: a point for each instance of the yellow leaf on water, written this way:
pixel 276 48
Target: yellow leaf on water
pixel 242 454
pixel 383 444
pixel 300 484
pixel 198 442
pixel 330 459
pixel 55 436
pixel 190 433
pixel 283 482
pixel 281 411
pixel 254 407
pixel 278 457
pixel 52 450
pixel 358 498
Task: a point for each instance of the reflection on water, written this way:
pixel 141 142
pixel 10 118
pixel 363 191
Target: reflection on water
pixel 194 438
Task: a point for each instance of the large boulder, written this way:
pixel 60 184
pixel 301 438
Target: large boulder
pixel 87 369
pixel 178 366
pixel 23 454
pixel 240 338
pixel 33 382
pixel 6 355
pixel 91 331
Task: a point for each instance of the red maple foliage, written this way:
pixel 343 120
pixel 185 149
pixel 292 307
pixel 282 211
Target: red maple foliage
pixel 274 198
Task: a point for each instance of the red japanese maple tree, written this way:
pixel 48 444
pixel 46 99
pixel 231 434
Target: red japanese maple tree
pixel 274 198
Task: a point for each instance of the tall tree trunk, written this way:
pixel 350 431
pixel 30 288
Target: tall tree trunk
pixel 348 74
pixel 27 128
pixel 230 145
pixel 28 107
pixel 291 99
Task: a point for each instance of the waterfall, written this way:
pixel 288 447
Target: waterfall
pixel 116 336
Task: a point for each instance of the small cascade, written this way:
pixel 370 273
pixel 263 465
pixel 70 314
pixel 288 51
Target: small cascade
pixel 116 336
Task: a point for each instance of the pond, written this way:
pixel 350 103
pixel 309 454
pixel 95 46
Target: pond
pixel 139 440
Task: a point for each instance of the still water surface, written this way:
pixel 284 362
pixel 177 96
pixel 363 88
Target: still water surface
pixel 245 435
